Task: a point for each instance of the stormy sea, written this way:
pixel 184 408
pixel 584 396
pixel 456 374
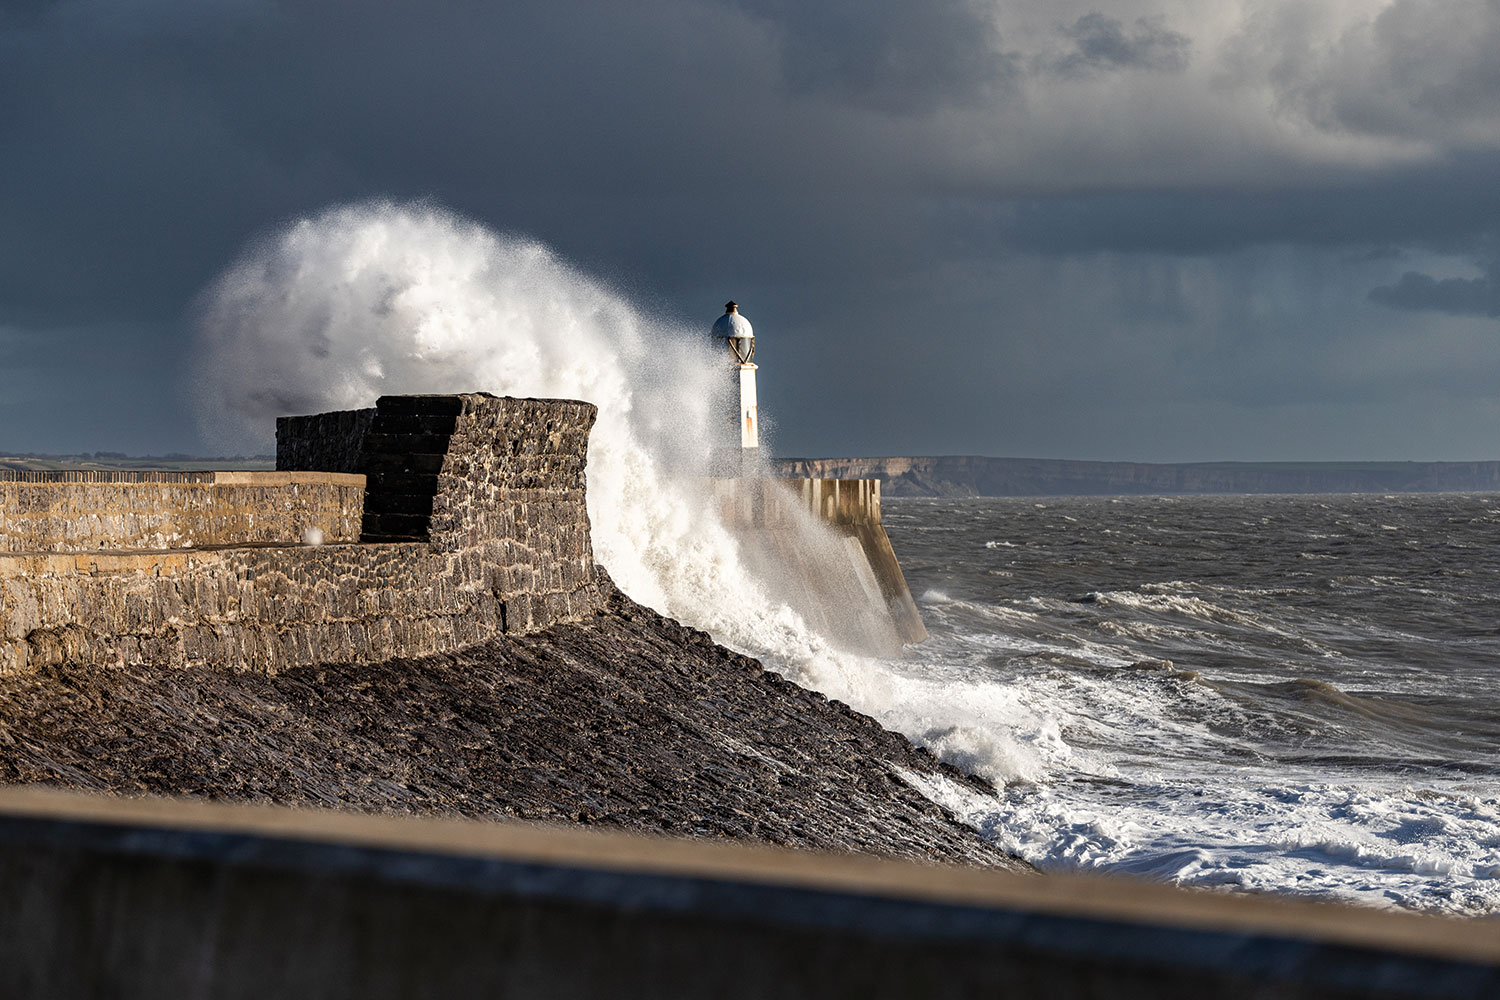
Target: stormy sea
pixel 1293 694
pixel 1286 694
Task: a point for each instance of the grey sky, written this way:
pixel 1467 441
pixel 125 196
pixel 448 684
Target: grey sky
pixel 1258 229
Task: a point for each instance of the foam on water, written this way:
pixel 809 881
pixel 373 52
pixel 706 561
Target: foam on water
pixel 1330 736
pixel 1122 775
pixel 1101 754
pixel 361 300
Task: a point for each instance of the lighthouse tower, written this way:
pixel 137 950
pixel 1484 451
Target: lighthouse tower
pixel 737 332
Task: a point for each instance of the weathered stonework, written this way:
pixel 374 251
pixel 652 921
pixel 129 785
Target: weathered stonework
pixel 323 442
pixel 506 549
pixel 110 511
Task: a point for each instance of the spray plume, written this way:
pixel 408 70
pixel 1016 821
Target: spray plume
pixel 361 300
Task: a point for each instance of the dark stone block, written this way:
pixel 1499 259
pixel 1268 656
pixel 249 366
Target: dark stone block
pixel 381 442
pixel 421 404
pixel 401 482
pixel 428 464
pixel 412 526
pixel 323 442
pixel 419 423
pixel 398 503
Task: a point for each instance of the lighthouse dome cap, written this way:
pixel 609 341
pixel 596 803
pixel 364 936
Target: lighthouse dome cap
pixel 732 324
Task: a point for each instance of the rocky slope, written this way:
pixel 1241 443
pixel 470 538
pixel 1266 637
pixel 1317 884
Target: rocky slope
pixel 973 475
pixel 627 719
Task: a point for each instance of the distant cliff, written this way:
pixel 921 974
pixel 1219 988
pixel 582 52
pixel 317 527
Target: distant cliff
pixel 974 475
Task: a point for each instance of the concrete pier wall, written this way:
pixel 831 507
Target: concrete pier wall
pixel 851 589
pixel 162 898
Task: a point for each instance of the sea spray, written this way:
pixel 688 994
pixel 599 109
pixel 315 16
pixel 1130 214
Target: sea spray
pixel 1163 725
pixel 362 300
pixel 1104 756
pixel 334 310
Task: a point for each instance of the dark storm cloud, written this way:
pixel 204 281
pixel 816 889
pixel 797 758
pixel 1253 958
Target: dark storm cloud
pixel 1101 42
pixel 909 194
pixel 1446 205
pixel 148 147
pixel 889 55
pixel 1453 296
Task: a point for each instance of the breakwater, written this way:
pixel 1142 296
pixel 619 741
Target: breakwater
pixel 841 576
pixel 458 651
pixel 624 718
pixel 473 527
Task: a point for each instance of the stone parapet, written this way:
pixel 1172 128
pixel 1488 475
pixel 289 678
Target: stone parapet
pixel 325 442
pixel 92 511
pixel 503 547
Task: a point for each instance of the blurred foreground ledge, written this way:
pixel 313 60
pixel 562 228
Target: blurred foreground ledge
pixel 106 896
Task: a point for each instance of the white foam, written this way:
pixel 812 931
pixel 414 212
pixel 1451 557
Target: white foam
pixel 1356 841
pixel 1098 767
pixel 360 300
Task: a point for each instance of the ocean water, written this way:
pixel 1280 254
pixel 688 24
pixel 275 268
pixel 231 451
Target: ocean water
pixel 1294 694
pixel 1286 694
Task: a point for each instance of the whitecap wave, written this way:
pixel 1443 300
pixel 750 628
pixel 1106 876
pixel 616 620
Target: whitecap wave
pixel 1094 765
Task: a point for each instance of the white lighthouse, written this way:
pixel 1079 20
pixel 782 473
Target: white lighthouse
pixel 736 330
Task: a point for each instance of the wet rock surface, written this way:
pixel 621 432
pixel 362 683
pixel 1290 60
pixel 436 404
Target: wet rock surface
pixel 625 719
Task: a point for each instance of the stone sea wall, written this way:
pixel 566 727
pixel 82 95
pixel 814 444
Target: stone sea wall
pixel 94 511
pixel 503 547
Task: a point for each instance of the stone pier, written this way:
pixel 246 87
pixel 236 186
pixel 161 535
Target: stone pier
pixel 852 589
